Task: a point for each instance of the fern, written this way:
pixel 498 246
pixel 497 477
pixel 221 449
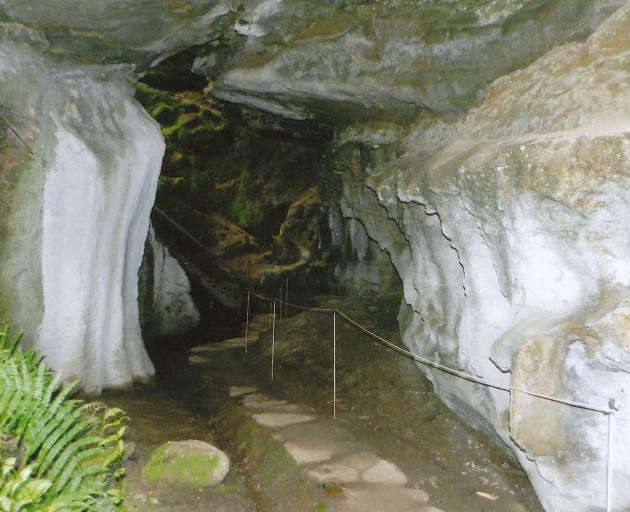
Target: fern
pixel 69 456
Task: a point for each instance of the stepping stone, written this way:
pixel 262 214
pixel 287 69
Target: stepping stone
pixel 317 441
pixel 233 343
pixel 385 472
pixel 360 460
pixel 302 453
pixel 383 498
pixel 333 472
pixel 254 402
pixel 278 420
pixel 241 390
pixel 198 360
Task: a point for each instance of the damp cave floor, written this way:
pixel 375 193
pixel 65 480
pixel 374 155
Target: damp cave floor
pixel 394 447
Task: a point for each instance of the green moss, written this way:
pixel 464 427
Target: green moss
pixel 245 212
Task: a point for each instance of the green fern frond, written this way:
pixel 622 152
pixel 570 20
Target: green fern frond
pixel 71 456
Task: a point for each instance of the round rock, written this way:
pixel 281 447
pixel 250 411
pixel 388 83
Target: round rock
pixel 190 464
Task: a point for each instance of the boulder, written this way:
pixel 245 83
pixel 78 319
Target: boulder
pixel 189 463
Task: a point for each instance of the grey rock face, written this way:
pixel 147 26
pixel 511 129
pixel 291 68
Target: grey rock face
pixel 507 229
pixel 352 61
pixel 112 31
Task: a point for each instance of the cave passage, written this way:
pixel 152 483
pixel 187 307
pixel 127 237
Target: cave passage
pixel 249 206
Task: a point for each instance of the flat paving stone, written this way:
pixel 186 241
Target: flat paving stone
pixel 307 453
pixel 242 390
pixel 360 460
pixel 317 441
pixel 385 472
pixel 256 402
pixel 280 419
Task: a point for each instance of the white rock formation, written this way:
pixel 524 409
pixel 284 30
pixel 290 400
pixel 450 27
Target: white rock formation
pixel 509 232
pixel 78 182
pixel 171 309
pixel 103 155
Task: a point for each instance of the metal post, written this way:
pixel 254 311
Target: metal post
pixel 334 364
pixel 270 317
pixel 280 314
pixel 247 323
pixel 286 299
pixel 609 488
pixel 273 338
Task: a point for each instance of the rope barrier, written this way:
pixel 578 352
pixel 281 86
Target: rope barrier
pixel 444 368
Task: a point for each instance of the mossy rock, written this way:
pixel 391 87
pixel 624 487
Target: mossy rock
pixel 190 464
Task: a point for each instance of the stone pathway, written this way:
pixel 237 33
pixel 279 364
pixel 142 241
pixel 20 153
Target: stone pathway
pixel 332 457
pixel 360 480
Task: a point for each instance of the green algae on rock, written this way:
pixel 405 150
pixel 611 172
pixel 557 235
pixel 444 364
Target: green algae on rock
pixel 187 464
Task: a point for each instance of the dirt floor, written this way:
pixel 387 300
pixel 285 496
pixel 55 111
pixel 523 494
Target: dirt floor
pixel 386 412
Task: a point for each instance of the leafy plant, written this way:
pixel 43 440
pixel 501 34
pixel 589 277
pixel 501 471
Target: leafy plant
pixel 69 455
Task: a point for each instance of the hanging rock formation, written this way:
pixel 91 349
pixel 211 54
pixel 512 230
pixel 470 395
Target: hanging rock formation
pixel 79 171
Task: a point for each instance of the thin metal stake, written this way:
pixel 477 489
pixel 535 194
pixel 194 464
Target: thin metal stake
pixel 610 464
pixel 286 300
pixel 335 364
pixel 280 314
pixel 247 323
pixel 270 320
pixel 273 338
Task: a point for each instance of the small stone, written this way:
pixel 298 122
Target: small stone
pixel 189 464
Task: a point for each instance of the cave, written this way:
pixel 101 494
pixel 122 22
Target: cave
pixel 324 255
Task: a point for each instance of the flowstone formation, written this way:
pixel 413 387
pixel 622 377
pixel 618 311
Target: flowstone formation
pixel 80 163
